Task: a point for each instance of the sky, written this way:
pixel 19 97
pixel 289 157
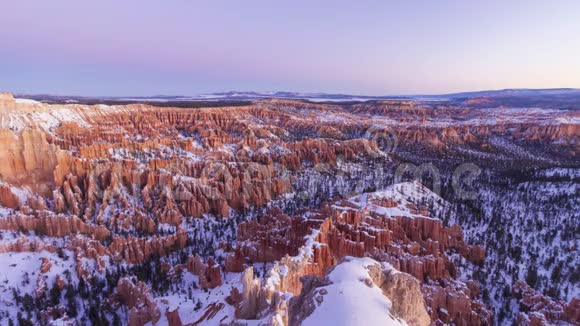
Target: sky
pixel 187 47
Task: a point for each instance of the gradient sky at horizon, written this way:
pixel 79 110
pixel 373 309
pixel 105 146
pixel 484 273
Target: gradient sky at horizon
pixel 180 47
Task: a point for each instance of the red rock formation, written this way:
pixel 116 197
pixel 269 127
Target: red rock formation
pixel 137 250
pixel 413 244
pixel 25 244
pixel 8 198
pixel 28 159
pixel 137 298
pixel 46 265
pixel 173 318
pixel 537 309
pixel 131 250
pixel 60 283
pixel 209 274
pixel 46 223
pixel 248 306
pixel 271 237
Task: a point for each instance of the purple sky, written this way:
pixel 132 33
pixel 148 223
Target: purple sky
pixel 186 47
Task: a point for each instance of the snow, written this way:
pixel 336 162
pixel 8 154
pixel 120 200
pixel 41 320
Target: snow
pixel 44 119
pixel 273 279
pixel 557 172
pixel 4 212
pixel 187 310
pixel 63 321
pixel 47 116
pixel 25 101
pixel 307 250
pixel 350 301
pixel 406 193
pixel 568 120
pixel 529 223
pixel 22 270
pixel 326 99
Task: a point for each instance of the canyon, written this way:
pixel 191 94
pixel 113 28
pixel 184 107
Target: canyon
pixel 284 212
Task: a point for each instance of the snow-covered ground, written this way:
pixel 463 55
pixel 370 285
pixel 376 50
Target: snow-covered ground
pixel 20 273
pixel 192 302
pixel 349 300
pixel 408 194
pixel 529 229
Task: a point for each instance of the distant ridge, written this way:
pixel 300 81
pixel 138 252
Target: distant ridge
pixel 560 98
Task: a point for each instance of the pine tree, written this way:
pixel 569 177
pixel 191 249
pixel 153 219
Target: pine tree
pixel 28 303
pixel 71 302
pixel 198 305
pixel 532 276
pixel 54 295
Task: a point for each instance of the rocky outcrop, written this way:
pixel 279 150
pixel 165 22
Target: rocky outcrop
pixel 130 250
pixel 404 291
pixel 6 97
pixel 452 302
pixel 142 307
pixel 137 250
pixel 209 273
pixel 538 309
pixel 45 266
pixel 260 300
pixel 303 305
pixel 25 244
pixel 7 101
pixel 272 236
pixel 249 304
pixel 8 198
pixel 172 316
pixel 47 223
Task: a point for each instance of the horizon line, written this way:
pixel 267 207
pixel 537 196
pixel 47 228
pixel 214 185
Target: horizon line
pixel 264 93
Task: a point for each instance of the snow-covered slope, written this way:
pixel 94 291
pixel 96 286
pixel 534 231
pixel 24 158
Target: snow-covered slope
pixel 352 299
pixel 407 194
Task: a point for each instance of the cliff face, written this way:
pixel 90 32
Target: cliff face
pixel 28 159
